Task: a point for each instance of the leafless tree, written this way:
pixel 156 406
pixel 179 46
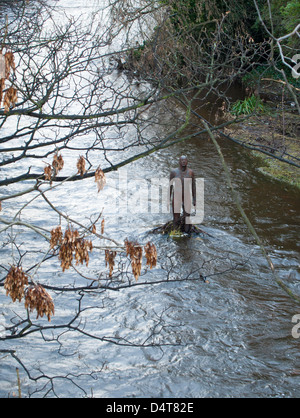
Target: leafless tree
pixel 285 51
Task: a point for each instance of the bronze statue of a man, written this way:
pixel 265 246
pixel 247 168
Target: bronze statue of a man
pixel 182 193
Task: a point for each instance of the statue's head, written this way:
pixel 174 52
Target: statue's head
pixel 183 162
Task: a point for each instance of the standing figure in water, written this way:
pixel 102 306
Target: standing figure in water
pixel 182 194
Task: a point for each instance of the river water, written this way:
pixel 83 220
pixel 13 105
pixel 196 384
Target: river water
pixel 228 337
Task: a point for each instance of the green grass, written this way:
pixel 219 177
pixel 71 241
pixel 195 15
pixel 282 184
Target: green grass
pixel 247 106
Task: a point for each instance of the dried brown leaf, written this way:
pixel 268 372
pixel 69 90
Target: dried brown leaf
pixel 48 172
pixel 57 163
pixel 135 252
pixel 72 246
pixel 10 99
pixel 9 63
pixel 151 255
pixel 15 283
pixel 110 260
pixel 100 179
pixel 36 298
pixel 56 237
pixel 81 165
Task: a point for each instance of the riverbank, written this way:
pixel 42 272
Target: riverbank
pixel 276 134
pixel 276 131
pixel 274 127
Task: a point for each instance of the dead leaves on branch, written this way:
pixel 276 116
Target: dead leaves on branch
pixel 100 179
pixel 36 297
pixel 72 246
pixel 7 64
pixel 135 252
pixel 15 283
pixel 81 166
pixel 50 171
pixel 110 260
pixel 10 99
pixel 57 163
pixel 151 255
pixel 56 237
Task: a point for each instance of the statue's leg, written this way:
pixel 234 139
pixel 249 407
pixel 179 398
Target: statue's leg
pixel 187 208
pixel 176 216
pixel 176 221
pixel 187 226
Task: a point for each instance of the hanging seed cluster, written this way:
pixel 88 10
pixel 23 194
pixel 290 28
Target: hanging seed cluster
pixel 15 283
pixel 48 172
pixel 11 94
pixel 110 260
pixel 102 226
pixel 10 99
pixel 135 252
pixel 56 237
pixel 81 166
pixel 57 163
pixel 72 246
pixel 52 170
pixel 151 255
pixel 100 179
pixel 36 298
pixel 9 63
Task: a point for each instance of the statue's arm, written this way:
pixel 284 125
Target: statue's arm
pixel 172 175
pixel 171 186
pixel 194 191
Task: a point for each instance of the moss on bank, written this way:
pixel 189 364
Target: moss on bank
pixel 277 133
pixel 281 171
